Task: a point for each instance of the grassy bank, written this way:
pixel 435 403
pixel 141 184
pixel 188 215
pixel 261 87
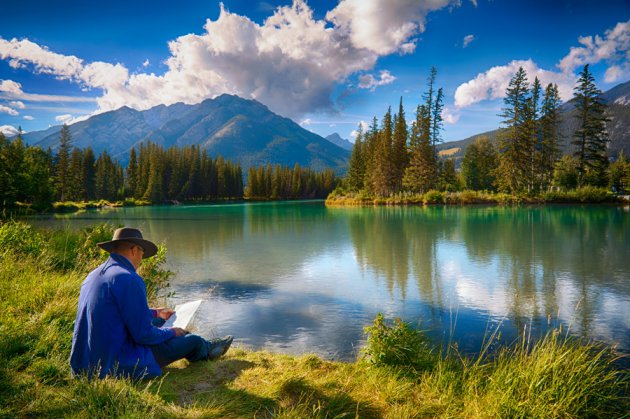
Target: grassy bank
pixel 583 195
pixel 400 375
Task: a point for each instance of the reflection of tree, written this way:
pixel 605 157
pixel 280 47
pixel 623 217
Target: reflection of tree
pixel 399 242
pixel 531 247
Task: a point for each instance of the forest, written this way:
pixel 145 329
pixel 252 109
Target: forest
pixel 390 159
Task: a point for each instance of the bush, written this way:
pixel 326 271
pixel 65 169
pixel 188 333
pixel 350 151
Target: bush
pixel 433 197
pixel 19 237
pixel 397 346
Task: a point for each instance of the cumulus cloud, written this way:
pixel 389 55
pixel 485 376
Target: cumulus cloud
pixel 364 127
pixel 291 62
pixel 305 122
pixel 17 104
pixel 63 118
pixel 8 130
pixel 383 26
pixel 614 47
pixel 28 117
pixel 368 81
pixel 10 111
pixel 468 39
pixel 616 73
pixel 450 116
pixel 10 87
pixel 145 63
pixel 493 83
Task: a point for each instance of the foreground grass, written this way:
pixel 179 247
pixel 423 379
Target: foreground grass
pixel 401 376
pixel 587 194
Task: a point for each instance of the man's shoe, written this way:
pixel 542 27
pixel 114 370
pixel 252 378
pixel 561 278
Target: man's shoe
pixel 218 347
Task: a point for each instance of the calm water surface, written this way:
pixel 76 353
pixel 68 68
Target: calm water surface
pixel 300 277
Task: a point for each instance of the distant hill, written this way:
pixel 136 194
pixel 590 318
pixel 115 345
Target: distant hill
pixel 618 101
pixel 235 128
pixel 341 142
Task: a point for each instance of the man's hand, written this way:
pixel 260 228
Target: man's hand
pixel 164 313
pixel 180 332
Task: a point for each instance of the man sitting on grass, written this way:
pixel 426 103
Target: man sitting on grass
pixel 115 332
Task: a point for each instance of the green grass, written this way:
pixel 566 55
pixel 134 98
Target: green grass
pixel 399 375
pixel 587 194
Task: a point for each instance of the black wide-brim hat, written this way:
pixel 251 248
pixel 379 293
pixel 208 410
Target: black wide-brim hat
pixel 131 235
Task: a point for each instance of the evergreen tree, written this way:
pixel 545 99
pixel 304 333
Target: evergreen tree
pixel 620 174
pixel 400 154
pixel 515 138
pixel 89 174
pixel 591 138
pixel 132 173
pixel 549 135
pixel 356 169
pixel 383 171
pixel 75 182
pixel 479 165
pixel 62 167
pixel 448 176
pixel 422 173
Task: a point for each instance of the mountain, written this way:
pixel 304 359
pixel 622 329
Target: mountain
pixel 618 109
pixel 341 142
pixel 238 129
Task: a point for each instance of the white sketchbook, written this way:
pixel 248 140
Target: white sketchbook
pixel 183 315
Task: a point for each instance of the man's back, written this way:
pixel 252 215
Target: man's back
pixel 113 324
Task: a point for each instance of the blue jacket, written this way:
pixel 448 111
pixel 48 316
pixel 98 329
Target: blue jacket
pixel 113 329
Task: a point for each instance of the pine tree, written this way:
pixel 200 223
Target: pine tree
pixel 383 176
pixel 89 174
pixel 514 139
pixel 62 166
pixel 400 153
pixel 591 138
pixel 76 185
pixel 549 135
pixel 356 169
pixel 422 173
pixel 479 165
pixel 132 173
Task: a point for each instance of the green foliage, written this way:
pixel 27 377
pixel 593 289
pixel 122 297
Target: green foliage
pixel 396 345
pixel 479 165
pixel 584 194
pixel 286 183
pixel 156 276
pixel 21 238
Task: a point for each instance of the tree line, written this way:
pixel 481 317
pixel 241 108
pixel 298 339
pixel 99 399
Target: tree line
pixel 278 182
pixel 527 159
pixel 36 177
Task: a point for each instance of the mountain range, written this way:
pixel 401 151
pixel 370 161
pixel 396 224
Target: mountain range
pixel 618 109
pixel 238 129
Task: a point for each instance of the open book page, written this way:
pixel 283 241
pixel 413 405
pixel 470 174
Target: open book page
pixel 183 315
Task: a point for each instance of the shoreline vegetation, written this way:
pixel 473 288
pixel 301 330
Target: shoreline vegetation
pixel 400 373
pixel 584 195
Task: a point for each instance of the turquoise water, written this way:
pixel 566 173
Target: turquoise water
pixel 299 277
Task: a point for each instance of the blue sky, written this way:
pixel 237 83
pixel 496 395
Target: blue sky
pixel 328 65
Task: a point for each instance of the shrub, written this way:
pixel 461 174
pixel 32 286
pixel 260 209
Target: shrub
pixel 19 237
pixel 397 346
pixel 433 197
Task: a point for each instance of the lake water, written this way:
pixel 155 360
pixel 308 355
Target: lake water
pixel 298 277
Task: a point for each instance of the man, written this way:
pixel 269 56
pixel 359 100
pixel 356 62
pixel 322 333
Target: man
pixel 115 332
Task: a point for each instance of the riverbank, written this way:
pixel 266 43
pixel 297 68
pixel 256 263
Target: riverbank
pixel 585 195
pixel 401 375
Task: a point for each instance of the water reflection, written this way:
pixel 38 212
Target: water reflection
pixel 299 277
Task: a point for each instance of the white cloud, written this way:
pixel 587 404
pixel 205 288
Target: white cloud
pixel 306 122
pixel 291 62
pixel 615 73
pixel 368 81
pixel 449 115
pixel 10 111
pixel 145 63
pixel 8 130
pixel 63 118
pixel 364 127
pixel 493 83
pixel 383 26
pixel 468 39
pixel 10 89
pixel 474 2
pixel 28 117
pixel 17 104
pixel 614 47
